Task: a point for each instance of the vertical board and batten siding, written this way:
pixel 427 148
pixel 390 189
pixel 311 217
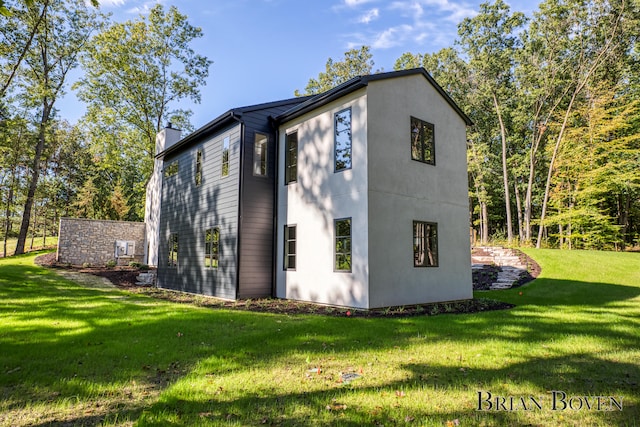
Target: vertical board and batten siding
pixel 188 210
pixel 257 212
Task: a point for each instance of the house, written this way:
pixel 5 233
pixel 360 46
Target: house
pixel 355 197
pixel 210 206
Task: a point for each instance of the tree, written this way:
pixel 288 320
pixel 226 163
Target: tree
pixel 594 33
pixel 136 72
pixel 61 36
pixel 357 62
pixel 489 41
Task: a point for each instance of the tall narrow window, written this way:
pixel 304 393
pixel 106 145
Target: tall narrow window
pixel 422 141
pixel 198 174
pixel 173 250
pixel 342 230
pixel 260 155
pixel 291 158
pixel 342 146
pixel 290 247
pixel 225 157
pixel 211 247
pixel 425 244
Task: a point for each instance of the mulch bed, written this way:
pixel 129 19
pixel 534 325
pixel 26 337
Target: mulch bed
pixel 125 278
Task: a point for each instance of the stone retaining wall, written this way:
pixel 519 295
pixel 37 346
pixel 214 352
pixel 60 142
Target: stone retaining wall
pixel 94 241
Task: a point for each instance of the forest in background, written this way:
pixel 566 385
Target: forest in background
pixel 553 152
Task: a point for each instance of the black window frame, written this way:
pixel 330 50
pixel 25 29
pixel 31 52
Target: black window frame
pixel 336 135
pixel 198 171
pixel 261 158
pixel 287 254
pixel 342 238
pixel 212 248
pixel 291 158
pixel 418 143
pixel 226 148
pixel 171 169
pixel 422 242
pixel 172 253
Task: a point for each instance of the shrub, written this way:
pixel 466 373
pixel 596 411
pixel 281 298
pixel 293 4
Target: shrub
pixel 135 264
pixel 111 263
pixel 86 264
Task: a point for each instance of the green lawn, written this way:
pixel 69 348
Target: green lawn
pixel 38 243
pixel 82 356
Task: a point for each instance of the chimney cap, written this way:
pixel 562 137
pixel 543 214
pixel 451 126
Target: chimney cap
pixel 169 125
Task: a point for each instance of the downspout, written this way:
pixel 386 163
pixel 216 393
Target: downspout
pixel 240 199
pixel 276 181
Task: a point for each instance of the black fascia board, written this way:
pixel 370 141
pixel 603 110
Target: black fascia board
pixel 362 81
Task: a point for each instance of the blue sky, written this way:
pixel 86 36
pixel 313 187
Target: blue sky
pixel 263 50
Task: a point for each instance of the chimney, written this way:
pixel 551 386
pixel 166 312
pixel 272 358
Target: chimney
pixel 167 137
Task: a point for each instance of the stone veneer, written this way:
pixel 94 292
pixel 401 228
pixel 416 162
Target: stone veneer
pixel 93 241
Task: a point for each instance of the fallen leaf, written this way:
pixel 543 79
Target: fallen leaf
pixel 400 393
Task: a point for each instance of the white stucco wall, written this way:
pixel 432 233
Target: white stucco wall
pixel 402 190
pixel 318 198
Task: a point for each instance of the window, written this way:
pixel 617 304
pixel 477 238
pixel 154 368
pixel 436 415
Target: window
pixel 342 232
pixel 171 169
pixel 260 155
pixel 173 250
pixel 291 158
pixel 422 141
pixel 211 247
pixel 225 157
pixel 289 247
pixel 342 146
pixel 125 248
pixel 198 174
pixel 425 244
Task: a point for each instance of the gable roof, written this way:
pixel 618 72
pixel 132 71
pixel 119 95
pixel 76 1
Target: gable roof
pixel 359 82
pixel 224 120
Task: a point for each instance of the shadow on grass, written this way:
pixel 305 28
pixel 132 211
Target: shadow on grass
pixel 93 345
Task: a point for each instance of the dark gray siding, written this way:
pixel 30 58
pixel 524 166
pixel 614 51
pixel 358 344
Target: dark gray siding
pixel 189 210
pixel 257 210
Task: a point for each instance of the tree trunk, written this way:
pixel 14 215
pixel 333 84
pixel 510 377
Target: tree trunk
pixel 518 211
pixel 33 184
pixel 505 175
pixel 7 226
pixel 485 222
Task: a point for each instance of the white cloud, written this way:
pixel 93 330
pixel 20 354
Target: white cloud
pixel 355 3
pixel 110 3
pixel 369 16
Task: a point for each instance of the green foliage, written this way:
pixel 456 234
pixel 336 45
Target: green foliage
pixel 357 62
pixel 136 73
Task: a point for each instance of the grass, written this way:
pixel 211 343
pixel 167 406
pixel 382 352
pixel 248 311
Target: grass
pixel 73 355
pixel 38 244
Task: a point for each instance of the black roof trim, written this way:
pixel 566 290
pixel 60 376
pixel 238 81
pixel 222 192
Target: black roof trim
pixel 230 116
pixel 360 82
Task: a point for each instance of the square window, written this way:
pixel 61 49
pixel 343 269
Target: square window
pixel 342 145
pixel 342 246
pixel 290 247
pixel 422 141
pixel 425 244
pixel 171 169
pixel 291 158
